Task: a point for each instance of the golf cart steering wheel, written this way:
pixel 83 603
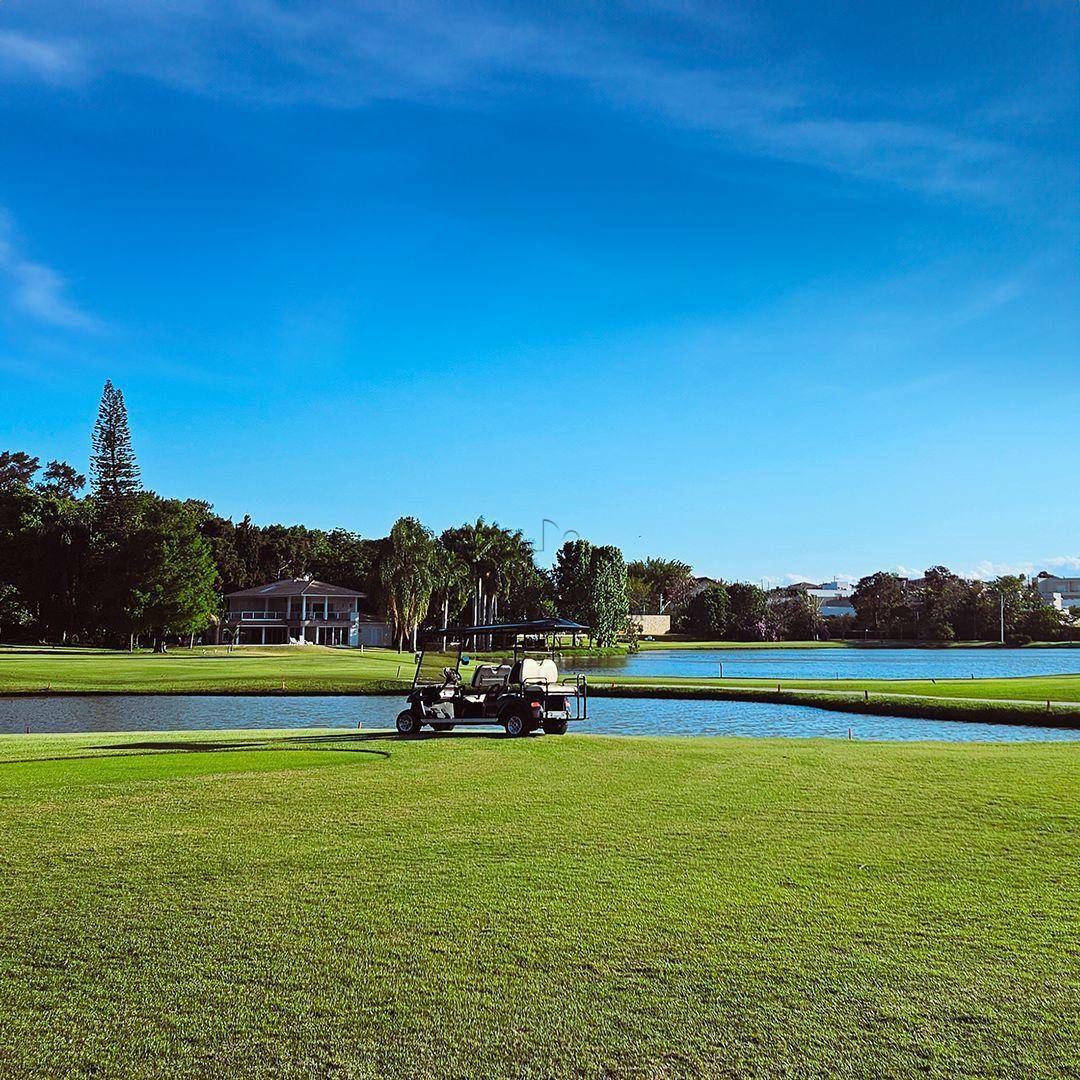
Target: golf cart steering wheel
pixel 451 675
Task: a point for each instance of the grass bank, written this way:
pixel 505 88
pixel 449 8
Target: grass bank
pixel 681 643
pixel 1038 713
pixel 1049 700
pixel 1039 688
pixel 666 643
pixel 310 669
pixel 274 904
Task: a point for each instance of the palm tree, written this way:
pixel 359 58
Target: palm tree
pixel 498 561
pixel 474 545
pixel 452 584
pixel 408 575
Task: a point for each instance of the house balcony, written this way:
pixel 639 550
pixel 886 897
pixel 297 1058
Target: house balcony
pixel 268 618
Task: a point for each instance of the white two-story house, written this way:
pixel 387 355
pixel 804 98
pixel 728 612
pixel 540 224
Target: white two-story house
pixel 299 611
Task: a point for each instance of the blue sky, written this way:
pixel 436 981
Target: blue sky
pixel 778 289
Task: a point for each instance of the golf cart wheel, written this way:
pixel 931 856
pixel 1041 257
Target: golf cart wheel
pixel 442 727
pixel 516 725
pixel 407 724
pixel 555 727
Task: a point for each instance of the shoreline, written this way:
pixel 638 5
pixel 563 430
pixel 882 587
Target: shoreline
pixel 1013 712
pixel 865 703
pixel 660 644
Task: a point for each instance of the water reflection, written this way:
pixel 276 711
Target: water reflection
pixel 868 663
pixel 607 716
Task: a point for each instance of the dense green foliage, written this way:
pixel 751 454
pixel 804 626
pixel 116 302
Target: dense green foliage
pixel 77 568
pixel 938 607
pixel 590 587
pixel 571 576
pixel 121 564
pixel 942 606
pixel 707 613
pixel 607 601
pixel 408 574
pixel 654 584
pixel 747 612
pixel 162 571
pixel 796 617
pixel 498 565
pixel 328 904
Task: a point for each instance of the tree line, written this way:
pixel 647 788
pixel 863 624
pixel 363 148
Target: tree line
pixel 941 606
pixel 116 564
pixel 112 563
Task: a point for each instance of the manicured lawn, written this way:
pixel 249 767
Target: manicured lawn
pixel 311 669
pixel 1052 699
pixel 274 904
pixel 669 643
pixel 1023 688
pixel 316 670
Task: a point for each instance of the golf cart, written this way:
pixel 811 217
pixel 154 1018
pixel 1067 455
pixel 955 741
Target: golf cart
pixel 521 692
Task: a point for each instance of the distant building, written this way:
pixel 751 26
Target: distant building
pixel 1059 592
pixel 833 597
pixel 837 607
pixel 831 590
pixel 698 585
pixel 652 625
pixel 298 611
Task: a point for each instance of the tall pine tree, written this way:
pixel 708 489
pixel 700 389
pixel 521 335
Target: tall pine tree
pixel 113 470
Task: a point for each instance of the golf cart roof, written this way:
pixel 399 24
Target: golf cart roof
pixel 536 626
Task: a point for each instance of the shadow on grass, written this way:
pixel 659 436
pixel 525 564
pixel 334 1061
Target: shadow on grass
pixel 155 747
pixel 11 651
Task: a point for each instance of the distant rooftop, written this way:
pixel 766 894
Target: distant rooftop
pixel 295 587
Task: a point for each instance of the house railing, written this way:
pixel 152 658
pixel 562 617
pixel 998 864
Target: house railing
pixel 295 616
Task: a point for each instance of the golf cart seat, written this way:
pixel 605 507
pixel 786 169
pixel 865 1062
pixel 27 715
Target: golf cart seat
pixel 548 672
pixel 489 677
pixel 545 673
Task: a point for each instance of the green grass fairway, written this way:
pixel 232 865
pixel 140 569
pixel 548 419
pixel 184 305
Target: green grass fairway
pixel 316 670
pixel 324 904
pixel 679 643
pixel 666 643
pixel 1022 688
pixel 255 670
pixel 1052 699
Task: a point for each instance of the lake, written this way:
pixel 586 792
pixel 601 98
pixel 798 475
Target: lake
pixel 870 663
pixel 612 716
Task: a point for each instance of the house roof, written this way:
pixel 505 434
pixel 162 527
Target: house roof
pixel 294 587
pixel 534 626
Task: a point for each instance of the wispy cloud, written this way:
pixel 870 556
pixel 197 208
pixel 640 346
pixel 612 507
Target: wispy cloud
pixel 37 290
pixel 988 569
pixel 23 56
pixel 350 55
pixel 790 121
pixel 842 579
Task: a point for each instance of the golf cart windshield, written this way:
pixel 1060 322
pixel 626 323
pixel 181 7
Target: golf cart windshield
pixel 432 665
